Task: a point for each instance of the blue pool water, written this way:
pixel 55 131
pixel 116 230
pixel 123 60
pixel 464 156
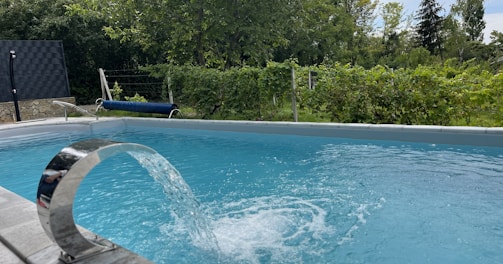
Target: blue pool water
pixel 286 199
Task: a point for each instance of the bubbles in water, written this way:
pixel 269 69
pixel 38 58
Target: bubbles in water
pixel 359 213
pixel 269 229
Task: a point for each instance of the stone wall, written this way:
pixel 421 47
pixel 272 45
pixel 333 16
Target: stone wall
pixel 34 109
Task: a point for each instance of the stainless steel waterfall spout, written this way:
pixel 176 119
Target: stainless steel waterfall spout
pixel 58 186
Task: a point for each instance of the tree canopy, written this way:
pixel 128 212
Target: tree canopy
pixel 222 34
pixel 429 27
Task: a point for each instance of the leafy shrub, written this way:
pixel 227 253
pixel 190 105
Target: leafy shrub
pixel 116 91
pixel 136 98
pixel 430 95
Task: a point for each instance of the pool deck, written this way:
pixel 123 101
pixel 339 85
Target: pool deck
pixel 23 240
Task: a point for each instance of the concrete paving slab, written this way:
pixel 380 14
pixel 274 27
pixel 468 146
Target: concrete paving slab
pixel 26 238
pixel 24 213
pixel 7 256
pixel 23 239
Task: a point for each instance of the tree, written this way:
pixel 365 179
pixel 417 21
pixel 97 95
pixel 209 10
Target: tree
pixel 429 27
pixel 15 19
pixel 497 50
pixel 251 30
pixel 472 15
pixel 455 41
pixel 316 33
pixel 363 16
pixel 214 33
pixel 392 39
pixel 391 14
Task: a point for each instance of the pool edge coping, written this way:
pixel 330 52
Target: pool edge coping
pixel 454 135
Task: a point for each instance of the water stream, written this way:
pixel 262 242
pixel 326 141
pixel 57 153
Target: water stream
pixel 256 230
pixel 184 204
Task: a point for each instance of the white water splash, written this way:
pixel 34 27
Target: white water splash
pixel 267 229
pixel 270 229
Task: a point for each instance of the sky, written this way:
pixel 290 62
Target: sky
pixel 493 12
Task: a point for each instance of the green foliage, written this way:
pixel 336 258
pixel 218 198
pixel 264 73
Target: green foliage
pixel 136 98
pixel 116 92
pixel 246 92
pixel 452 93
pixel 219 34
pixel 274 86
pixel 472 14
pixel 245 53
pixel 242 94
pixel 429 27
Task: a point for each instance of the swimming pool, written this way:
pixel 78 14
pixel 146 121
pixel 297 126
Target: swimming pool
pixel 273 198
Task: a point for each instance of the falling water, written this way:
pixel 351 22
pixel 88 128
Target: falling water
pixel 184 204
pixel 256 230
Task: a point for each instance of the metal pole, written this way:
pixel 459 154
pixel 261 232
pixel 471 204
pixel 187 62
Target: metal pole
pixel 294 101
pixel 14 91
pixel 105 90
pixel 170 92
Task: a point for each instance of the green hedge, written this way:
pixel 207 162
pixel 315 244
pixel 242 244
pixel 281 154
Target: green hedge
pixel 449 94
pixel 244 93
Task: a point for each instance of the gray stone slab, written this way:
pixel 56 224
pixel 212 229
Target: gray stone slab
pixel 24 212
pixel 48 255
pixel 10 200
pixel 26 238
pixel 7 256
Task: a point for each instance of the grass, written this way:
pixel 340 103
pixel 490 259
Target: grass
pixel 278 114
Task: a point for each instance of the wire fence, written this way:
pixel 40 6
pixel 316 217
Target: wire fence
pixel 134 81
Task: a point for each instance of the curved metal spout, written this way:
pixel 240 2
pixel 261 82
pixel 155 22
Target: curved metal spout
pixel 58 186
